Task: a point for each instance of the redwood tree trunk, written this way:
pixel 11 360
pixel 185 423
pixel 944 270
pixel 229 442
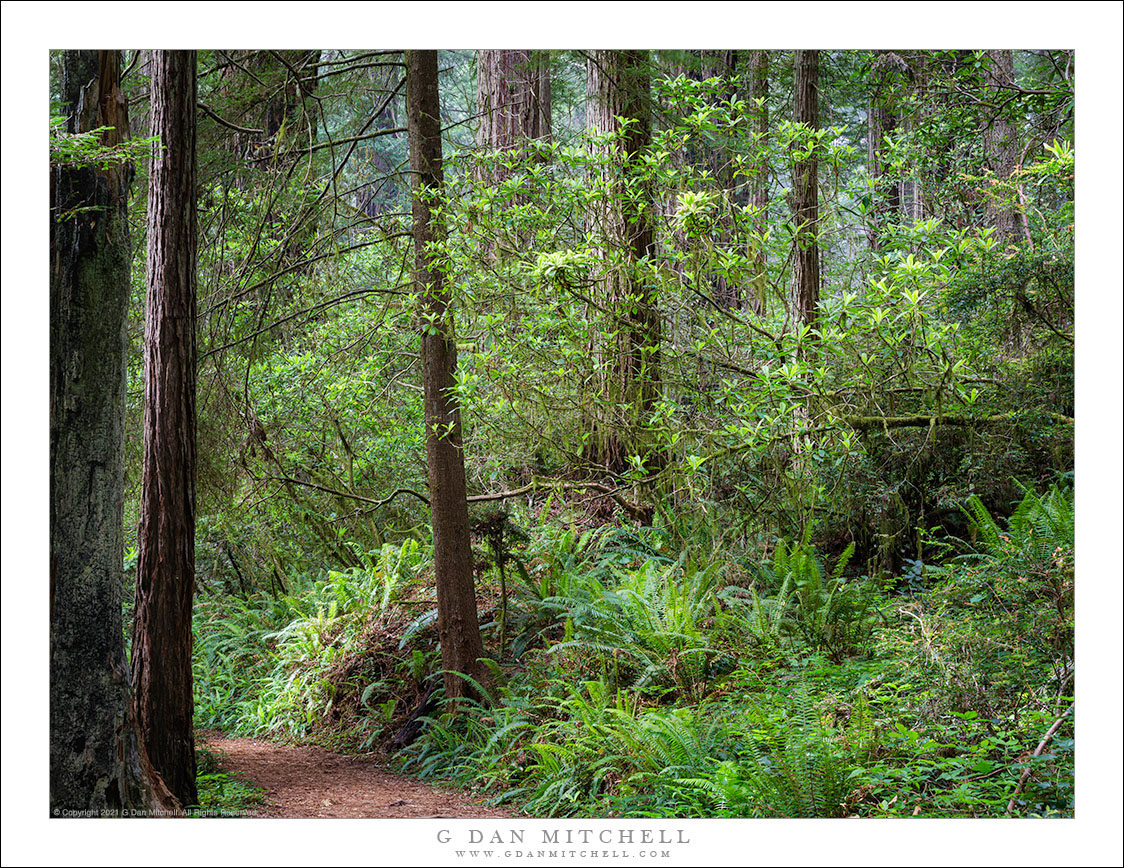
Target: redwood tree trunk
pixel 95 759
pixel 887 72
pixel 618 86
pixel 513 96
pixel 162 678
pixel 457 620
pixel 723 64
pixel 1001 136
pixel 759 190
pixel 805 193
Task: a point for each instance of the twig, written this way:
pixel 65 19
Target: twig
pixel 1037 752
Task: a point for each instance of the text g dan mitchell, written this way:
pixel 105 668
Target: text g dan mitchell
pixel 563 836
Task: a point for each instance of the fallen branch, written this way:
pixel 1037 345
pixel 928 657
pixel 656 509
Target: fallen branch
pixel 1037 752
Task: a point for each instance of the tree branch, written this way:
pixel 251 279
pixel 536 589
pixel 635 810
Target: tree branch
pixel 209 112
pixel 361 498
pixel 867 423
pixel 1037 752
pixel 636 510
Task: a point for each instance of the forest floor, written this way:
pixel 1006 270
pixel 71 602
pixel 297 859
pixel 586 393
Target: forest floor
pixel 309 781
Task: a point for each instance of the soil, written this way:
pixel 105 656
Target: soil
pixel 311 782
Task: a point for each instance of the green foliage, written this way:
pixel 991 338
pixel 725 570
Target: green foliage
pixel 646 629
pixel 279 666
pixel 608 714
pixel 996 635
pixel 85 149
pixel 692 668
pixel 221 794
pixel 808 775
pixel 827 612
pixel 952 770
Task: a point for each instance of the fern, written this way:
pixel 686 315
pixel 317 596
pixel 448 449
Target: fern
pixel 807 776
pixel 1037 527
pixel 828 612
pixel 646 629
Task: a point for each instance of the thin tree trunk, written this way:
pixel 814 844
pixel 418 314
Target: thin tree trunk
pixel 162 678
pixel 457 620
pixel 96 762
pixel 805 180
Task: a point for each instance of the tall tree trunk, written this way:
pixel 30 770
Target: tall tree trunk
pixel 723 65
pixel 457 621
pixel 618 86
pixel 882 120
pixel 162 679
pixel 805 193
pixel 513 99
pixel 1001 137
pixel 96 762
pixel 759 189
pixel 513 96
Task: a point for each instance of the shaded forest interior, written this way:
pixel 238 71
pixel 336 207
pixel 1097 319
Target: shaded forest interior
pixel 615 433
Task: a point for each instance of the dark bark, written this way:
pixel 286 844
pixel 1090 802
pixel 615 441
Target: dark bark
pixel 413 727
pixel 95 760
pixel 162 679
pixel 457 621
pixel 618 86
pixel 805 192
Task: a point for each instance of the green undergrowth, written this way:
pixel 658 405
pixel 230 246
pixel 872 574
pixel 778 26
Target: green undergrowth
pixel 639 679
pixel 220 793
pixel 320 660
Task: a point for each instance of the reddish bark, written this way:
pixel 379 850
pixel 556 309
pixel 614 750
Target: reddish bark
pixel 457 621
pixel 162 678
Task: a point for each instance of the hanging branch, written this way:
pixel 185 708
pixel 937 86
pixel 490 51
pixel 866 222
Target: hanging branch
pixel 288 480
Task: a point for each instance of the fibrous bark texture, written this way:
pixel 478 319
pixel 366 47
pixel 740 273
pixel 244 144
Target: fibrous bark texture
pixel 162 678
pixel 805 193
pixel 95 763
pixel 759 187
pixel 457 621
pixel 618 87
pixel 513 95
pixel 1001 139
pixel 888 72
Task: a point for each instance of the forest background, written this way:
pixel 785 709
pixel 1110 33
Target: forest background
pixel 1092 28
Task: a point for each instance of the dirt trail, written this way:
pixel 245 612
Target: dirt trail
pixel 312 782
